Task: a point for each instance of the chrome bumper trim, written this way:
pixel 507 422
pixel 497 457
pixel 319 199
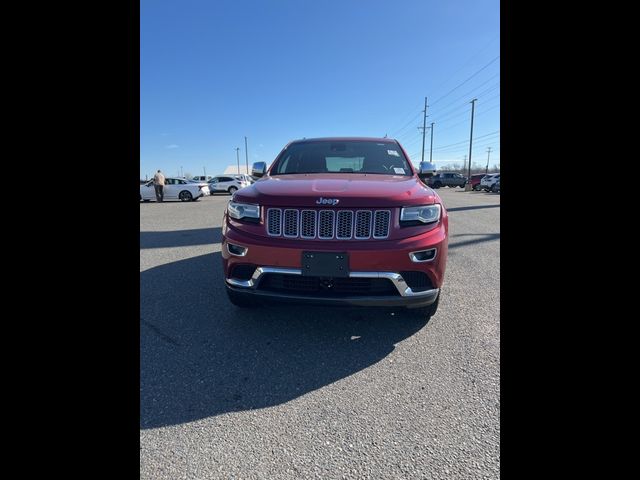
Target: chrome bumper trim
pixel 395 278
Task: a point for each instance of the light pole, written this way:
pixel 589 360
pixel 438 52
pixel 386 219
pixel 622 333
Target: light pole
pixel 238 156
pixel 246 153
pixel 424 127
pixel 473 104
pixel 486 170
pixel 431 145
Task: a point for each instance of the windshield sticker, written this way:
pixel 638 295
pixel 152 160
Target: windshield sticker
pixel 399 171
pixel 393 152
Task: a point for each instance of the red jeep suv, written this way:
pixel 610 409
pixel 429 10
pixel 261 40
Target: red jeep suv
pixel 336 221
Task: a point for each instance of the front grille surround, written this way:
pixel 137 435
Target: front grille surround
pixel 344 225
pixel 308 224
pixel 290 223
pixel 274 222
pixel 326 224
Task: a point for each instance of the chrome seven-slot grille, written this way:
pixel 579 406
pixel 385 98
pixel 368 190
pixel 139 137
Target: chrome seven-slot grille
pixel 328 224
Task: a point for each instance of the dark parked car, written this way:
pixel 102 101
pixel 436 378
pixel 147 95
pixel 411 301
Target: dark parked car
pixel 447 180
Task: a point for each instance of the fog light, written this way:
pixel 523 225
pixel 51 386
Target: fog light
pixel 423 255
pixel 236 250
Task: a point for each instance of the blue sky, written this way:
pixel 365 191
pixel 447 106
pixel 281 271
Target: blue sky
pixel 213 72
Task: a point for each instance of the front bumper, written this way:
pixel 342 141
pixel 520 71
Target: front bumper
pixel 407 297
pixel 367 259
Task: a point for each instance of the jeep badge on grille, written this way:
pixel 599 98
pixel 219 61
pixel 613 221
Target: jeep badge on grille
pixel 327 201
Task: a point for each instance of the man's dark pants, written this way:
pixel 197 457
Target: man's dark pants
pixel 159 192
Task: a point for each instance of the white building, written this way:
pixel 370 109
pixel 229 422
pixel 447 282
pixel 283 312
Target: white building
pixel 233 169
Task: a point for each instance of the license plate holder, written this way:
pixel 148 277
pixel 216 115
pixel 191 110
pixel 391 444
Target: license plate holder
pixel 325 264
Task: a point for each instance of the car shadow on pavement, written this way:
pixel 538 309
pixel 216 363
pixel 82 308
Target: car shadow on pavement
pixel 180 238
pixel 484 237
pixel 200 356
pixel 472 207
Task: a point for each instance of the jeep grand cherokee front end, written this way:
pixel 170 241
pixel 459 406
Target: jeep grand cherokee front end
pixel 336 221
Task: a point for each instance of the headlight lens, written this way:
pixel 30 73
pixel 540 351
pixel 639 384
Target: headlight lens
pixel 243 210
pixel 424 214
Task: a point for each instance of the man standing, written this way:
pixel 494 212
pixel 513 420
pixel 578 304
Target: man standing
pixel 158 184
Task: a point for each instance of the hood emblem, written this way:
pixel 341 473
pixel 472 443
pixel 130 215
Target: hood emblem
pixel 327 201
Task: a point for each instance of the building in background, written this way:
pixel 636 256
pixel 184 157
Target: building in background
pixel 233 170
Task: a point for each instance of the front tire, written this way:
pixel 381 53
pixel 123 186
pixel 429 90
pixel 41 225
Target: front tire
pixel 232 190
pixel 437 185
pixel 185 196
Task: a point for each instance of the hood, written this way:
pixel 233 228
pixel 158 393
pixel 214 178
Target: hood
pixel 350 190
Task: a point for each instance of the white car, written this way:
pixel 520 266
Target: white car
pixel 245 177
pixel 488 180
pixel 175 189
pixel 201 178
pixel 227 183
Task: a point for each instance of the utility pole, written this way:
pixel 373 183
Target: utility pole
pixel 464 163
pixel 205 173
pixel 486 170
pixel 424 126
pixel 238 155
pixel 246 153
pixel 473 105
pixel 180 171
pixel 431 145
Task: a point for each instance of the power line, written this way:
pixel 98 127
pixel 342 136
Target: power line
pixel 458 86
pixel 462 148
pixel 464 141
pixel 406 125
pixel 467 94
pixel 448 116
pixel 468 62
pixel 464 121
pixel 403 118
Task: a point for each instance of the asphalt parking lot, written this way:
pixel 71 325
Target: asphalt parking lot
pixel 301 392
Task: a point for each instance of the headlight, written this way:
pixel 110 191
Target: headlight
pixel 243 210
pixel 423 214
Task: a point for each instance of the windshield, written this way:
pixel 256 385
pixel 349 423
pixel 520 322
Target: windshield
pixel 342 157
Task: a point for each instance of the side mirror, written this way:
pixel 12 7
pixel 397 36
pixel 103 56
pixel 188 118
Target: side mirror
pixel 258 169
pixel 426 170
